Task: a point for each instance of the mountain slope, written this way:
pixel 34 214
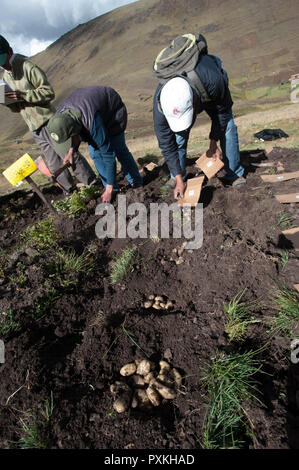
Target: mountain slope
pixel 256 40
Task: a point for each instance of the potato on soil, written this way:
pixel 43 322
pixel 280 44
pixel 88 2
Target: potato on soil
pixel 176 376
pixel 128 369
pixel 166 392
pixel 153 396
pixel 142 399
pixel 148 377
pixel 137 381
pixel 144 367
pixel 122 404
pixel 157 306
pixel 165 380
pixel 164 367
pixel 119 388
pixel 148 304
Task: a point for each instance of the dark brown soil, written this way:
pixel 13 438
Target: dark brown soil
pixel 76 349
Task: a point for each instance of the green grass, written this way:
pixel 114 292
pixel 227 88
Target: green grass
pixel 76 203
pixel 70 261
pixel 122 265
pixel 285 220
pixel 230 382
pixel 286 302
pixel 239 317
pixel 34 432
pixel 8 325
pixel 284 259
pixel 44 305
pixel 41 235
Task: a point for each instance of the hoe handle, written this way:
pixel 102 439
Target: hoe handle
pixel 40 194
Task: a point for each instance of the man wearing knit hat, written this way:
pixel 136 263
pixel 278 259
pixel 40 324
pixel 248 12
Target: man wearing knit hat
pixel 177 102
pixel 33 95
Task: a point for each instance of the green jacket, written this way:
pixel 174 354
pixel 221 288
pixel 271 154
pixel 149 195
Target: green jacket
pixel 31 81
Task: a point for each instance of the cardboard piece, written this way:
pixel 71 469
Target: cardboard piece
pixel 151 166
pixel 20 169
pixel 3 99
pixel 292 234
pixel 192 192
pixel 209 166
pixel 296 286
pixel 287 198
pixel 281 177
pixel 264 164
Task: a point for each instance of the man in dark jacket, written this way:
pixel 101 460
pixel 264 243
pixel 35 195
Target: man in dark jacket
pixel 97 115
pixel 176 106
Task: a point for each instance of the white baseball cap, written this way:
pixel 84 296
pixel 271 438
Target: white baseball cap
pixel 176 101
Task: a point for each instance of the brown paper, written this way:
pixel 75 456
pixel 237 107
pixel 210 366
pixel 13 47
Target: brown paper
pixel 192 191
pixel 292 234
pixel 287 198
pixel 209 166
pixel 151 166
pixel 281 177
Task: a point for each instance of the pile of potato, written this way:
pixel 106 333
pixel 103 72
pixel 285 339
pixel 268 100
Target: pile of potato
pixel 158 302
pixel 146 387
pixel 177 254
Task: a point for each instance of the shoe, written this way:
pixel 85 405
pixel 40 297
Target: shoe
pixel 239 182
pixel 171 183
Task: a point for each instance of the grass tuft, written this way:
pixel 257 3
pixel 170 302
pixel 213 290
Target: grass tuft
pixel 123 265
pixel 286 302
pixel 41 235
pixel 239 318
pixel 231 382
pixel 8 325
pixel 76 203
pixel 34 434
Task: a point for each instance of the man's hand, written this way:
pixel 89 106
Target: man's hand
pixel 214 152
pixel 14 95
pixel 107 194
pixel 69 158
pixel 180 187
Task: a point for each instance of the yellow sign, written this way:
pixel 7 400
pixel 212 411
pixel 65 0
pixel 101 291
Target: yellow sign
pixel 23 167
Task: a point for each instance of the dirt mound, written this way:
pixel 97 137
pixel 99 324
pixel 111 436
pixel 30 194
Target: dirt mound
pixel 71 326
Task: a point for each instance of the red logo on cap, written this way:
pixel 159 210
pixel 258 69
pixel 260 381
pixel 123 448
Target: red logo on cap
pixel 176 111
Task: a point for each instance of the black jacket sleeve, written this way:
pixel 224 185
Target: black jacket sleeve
pixel 166 138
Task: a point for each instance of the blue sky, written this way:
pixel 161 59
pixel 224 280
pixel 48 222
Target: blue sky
pixel 32 25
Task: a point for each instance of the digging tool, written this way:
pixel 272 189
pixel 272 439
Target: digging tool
pixel 21 170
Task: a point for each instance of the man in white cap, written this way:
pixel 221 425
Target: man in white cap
pixel 176 105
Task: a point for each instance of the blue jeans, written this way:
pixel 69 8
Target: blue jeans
pixel 229 144
pixel 182 142
pixel 104 155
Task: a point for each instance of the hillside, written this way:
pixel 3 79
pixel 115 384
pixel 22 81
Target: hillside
pixel 118 49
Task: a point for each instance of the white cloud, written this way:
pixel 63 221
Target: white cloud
pixel 32 25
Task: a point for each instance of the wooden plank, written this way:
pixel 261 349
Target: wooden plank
pixel 287 198
pixel 281 177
